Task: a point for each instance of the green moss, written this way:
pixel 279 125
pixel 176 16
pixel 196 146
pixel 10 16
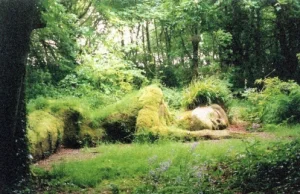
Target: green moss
pixel 37 104
pixel 71 128
pixel 154 115
pixel 185 120
pixel 44 133
pixel 128 105
pixel 89 136
pixel 118 119
pixel 120 127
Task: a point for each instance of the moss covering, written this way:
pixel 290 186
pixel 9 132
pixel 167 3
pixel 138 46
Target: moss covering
pixel 154 115
pixel 44 133
pixel 48 131
pixel 89 136
pixel 142 115
pixel 78 130
pixel 71 129
pixel 118 120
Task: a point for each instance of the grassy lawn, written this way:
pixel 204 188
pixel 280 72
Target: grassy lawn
pixel 138 168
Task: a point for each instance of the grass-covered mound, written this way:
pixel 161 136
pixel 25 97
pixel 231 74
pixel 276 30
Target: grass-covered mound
pixel 144 116
pixel 118 119
pixel 154 115
pixel 44 133
pixel 139 112
pixel 53 123
pixel 140 115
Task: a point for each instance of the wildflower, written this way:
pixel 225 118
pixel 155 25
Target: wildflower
pixel 164 166
pixel 152 159
pixel 194 145
pixel 178 180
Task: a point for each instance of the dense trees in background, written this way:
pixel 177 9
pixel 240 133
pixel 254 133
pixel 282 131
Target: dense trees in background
pixel 174 41
pixel 97 51
pixel 115 46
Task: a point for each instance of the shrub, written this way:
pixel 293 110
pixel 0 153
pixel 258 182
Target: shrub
pixel 116 75
pixel 258 171
pixel 173 97
pixel 37 104
pixel 240 111
pixel 277 101
pixel 205 92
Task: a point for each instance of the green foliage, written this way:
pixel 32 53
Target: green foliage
pixel 110 74
pixel 39 83
pixel 256 170
pixel 283 131
pixel 241 111
pixel 173 97
pixel 54 46
pixel 277 101
pixel 38 104
pixel 205 92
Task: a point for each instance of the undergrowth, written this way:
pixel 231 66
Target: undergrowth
pixel 275 101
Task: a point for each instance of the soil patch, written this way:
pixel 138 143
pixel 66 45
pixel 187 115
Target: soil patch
pixel 65 155
pixel 237 128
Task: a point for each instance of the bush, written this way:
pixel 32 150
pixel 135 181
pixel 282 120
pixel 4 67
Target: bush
pixel 257 171
pixel 173 97
pixel 205 92
pixel 37 104
pixel 277 101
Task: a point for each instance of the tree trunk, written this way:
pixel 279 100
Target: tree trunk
pixel 16 24
pixel 157 44
pixel 148 38
pixel 195 56
pixel 144 46
pixel 287 35
pixel 168 44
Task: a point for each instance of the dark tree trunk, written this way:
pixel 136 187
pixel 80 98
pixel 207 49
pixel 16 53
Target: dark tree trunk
pixel 168 43
pixel 288 38
pixel 195 56
pixel 148 38
pixel 16 24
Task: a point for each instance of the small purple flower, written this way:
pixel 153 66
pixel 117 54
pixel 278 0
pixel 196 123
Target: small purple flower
pixel 164 166
pixel 152 159
pixel 194 145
